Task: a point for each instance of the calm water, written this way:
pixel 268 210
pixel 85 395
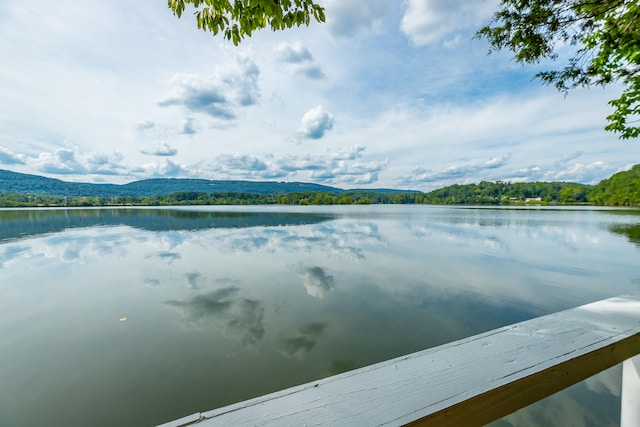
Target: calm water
pixel 135 317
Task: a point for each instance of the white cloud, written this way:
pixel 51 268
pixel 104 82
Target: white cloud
pixel 299 59
pixel 240 161
pixel 62 161
pixel 455 172
pixel 8 157
pixel 145 125
pixel 245 166
pixel 161 149
pixel 188 126
pixel 349 18
pixel 218 95
pixel 349 153
pixel 106 164
pixel 428 21
pixel 165 169
pixel 333 168
pixel 590 173
pixel 315 123
pixel 442 110
pixel 294 53
pixel 342 172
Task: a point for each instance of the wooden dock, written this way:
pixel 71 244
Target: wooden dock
pixel 469 382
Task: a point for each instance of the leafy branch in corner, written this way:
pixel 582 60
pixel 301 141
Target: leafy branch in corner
pixel 239 18
pixel 607 36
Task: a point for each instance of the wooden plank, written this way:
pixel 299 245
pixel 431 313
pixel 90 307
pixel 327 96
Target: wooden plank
pixel 468 382
pixel 184 421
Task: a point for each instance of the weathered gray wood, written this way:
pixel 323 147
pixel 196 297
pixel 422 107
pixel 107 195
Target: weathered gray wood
pixel 468 382
pixel 184 421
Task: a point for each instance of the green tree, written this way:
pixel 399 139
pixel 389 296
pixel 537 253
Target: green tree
pixel 607 38
pixel 239 18
pixel 623 188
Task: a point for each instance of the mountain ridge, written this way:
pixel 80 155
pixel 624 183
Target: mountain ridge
pixel 20 183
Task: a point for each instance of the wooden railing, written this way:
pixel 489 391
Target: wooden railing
pixel 469 382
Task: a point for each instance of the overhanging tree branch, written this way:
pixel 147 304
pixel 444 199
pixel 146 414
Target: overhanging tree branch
pixel 607 33
pixel 239 18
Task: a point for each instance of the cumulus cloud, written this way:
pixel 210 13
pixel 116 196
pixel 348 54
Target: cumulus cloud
pixel 8 157
pixel 299 59
pixel 429 21
pixel 240 162
pixel 469 170
pixel 335 168
pixel 349 153
pixel 162 170
pixel 188 126
pixel 590 173
pixel 294 53
pixel 237 317
pixel 331 167
pixel 305 162
pixel 315 123
pixel 317 283
pixel 565 170
pixel 62 161
pixel 350 173
pixel 145 125
pixel 567 157
pixel 245 166
pixel 106 164
pixel 350 18
pixel 161 149
pixel 219 95
pixel 193 279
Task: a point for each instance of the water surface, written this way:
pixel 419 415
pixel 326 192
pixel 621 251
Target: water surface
pixel 140 316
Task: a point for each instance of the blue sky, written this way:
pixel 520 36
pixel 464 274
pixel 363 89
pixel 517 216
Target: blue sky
pixel 385 94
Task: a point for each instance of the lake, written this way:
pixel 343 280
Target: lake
pixel 138 316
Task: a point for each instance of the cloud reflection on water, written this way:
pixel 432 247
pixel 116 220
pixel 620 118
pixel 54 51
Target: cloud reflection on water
pixel 238 317
pixel 317 283
pixel 586 404
pixel 304 340
pixel 165 255
pixel 192 280
pixel 388 285
pixel 10 254
pixel 345 240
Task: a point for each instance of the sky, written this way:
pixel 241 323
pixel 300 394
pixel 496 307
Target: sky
pixel 385 94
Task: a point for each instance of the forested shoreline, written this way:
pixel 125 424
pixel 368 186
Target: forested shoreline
pixel 621 189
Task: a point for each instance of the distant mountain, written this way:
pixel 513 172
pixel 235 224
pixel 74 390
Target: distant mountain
pixel 19 183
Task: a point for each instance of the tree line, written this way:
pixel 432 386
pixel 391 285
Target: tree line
pixel 621 189
pixel 222 198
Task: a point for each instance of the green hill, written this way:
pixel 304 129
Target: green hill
pixel 17 189
pixel 18 183
pixel 503 192
pixel 622 189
